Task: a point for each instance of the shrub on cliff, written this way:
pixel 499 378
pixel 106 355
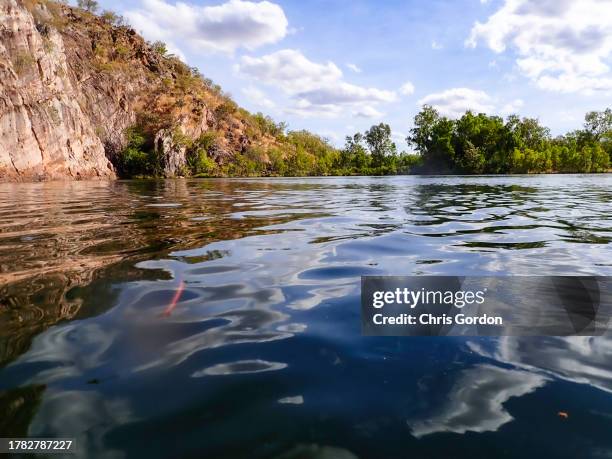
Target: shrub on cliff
pixel 113 18
pixel 159 47
pixel 224 110
pixel 199 162
pixel 23 62
pixel 88 5
pixel 138 157
pixel 267 125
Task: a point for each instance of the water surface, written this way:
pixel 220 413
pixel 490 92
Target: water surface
pixel 220 318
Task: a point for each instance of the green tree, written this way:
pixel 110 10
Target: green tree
pixel 134 159
pixel 422 135
pixel 354 157
pixel 476 140
pixel 378 139
pixel 472 160
pixel 432 137
pixel 599 124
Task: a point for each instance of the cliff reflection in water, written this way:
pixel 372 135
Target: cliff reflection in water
pixel 57 238
pixel 138 316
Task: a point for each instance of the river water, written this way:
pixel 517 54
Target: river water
pixel 220 318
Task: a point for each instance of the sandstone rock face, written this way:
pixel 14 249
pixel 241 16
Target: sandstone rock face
pixel 71 84
pixel 172 154
pixel 44 132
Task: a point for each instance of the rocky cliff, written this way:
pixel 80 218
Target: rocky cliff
pixel 72 83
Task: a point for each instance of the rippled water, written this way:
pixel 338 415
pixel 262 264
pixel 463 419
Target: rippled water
pixel 220 318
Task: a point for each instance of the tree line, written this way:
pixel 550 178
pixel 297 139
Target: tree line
pixel 471 144
pixel 483 144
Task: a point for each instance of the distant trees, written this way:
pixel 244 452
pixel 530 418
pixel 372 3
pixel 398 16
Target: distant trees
pixel 598 125
pixel 378 139
pixel 374 153
pixel 472 144
pixel 475 144
pixel 354 156
pixel 88 5
pixel 113 18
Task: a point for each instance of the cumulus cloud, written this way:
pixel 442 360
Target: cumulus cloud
pixel 290 70
pixel 257 97
pixel 398 135
pixel 435 45
pixel 220 28
pixel 454 102
pixel 345 93
pixel 316 87
pixel 305 109
pixel 512 107
pixel 562 45
pixel 407 89
pixel 354 68
pixel 367 112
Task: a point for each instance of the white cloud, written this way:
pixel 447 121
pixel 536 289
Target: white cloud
pixel 454 102
pixel 257 97
pixel 345 93
pixel 407 89
pixel 290 70
pixel 316 88
pixel 331 136
pixel 354 68
pixel 151 31
pixel 220 28
pixel 305 109
pixel 435 45
pixel 562 45
pixel 367 111
pixel 512 107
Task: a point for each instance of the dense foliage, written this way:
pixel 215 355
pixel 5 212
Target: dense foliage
pixel 475 144
pixel 373 153
pixel 472 144
pixel 294 153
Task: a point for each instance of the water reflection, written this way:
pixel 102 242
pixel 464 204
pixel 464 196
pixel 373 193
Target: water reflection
pixel 581 359
pixel 262 277
pixel 240 367
pixel 475 403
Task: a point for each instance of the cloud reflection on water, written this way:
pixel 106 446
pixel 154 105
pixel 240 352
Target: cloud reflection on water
pixel 475 403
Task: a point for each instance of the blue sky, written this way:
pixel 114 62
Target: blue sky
pixel 337 67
